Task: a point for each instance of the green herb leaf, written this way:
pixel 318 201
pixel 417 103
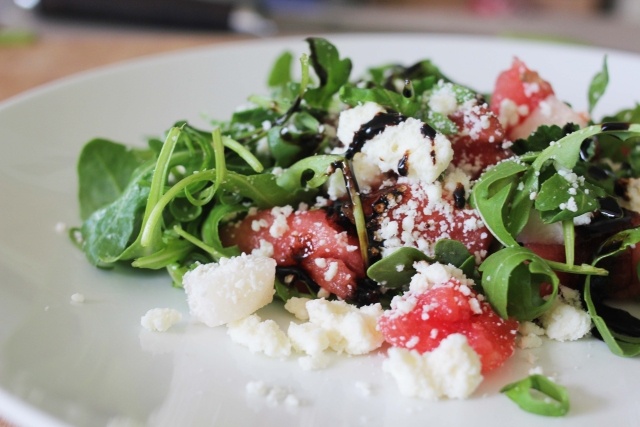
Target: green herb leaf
pixel 491 195
pixel 332 71
pixel 104 170
pixel 541 138
pixel 554 401
pixel 511 280
pixel 598 85
pixel 560 200
pixel 619 344
pixel 280 74
pixel 396 269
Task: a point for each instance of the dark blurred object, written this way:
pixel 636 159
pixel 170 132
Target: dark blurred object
pixel 192 14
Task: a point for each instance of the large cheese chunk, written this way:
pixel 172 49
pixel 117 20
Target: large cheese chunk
pixel 231 289
pixel 452 370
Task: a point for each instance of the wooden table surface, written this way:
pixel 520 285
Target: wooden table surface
pixel 48 57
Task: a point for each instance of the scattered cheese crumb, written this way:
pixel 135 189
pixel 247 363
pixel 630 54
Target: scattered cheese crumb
pixel 77 298
pixel 160 319
pixel 564 322
pixel 297 307
pixel 260 336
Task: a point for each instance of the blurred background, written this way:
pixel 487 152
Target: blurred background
pixel 42 40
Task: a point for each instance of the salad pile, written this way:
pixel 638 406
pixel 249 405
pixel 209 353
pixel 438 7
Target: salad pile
pixel 459 213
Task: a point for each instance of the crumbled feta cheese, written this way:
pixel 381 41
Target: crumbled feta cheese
pixel 280 224
pixel 160 319
pixel 368 173
pixel 364 388
pixel 352 119
pixel 338 326
pixel 314 362
pixel 565 322
pixel 431 275
pixel 260 336
pixel 425 158
pixel 309 338
pixel 297 307
pixel 258 388
pixel 265 249
pixel 452 370
pixel 218 293
pixel 529 335
pixel 443 99
pixel 632 193
pixel 77 298
pixel 61 228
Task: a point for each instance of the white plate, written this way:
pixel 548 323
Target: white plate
pixel 92 364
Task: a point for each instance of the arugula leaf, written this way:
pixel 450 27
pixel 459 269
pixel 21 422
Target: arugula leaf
pixel 395 270
pixel 598 85
pixel 332 71
pixel 629 115
pixel 619 344
pixel 352 95
pixel 490 197
pixel 511 279
pixel 560 200
pixel 280 74
pixel 109 231
pixel 555 401
pixel 542 137
pixel 104 170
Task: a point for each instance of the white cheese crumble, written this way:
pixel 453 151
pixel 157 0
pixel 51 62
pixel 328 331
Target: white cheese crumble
pixel 529 335
pixel 443 99
pixel 352 119
pixel 452 370
pixel 430 275
pixel 425 158
pixel 297 307
pixel 566 320
pixel 273 395
pixel 368 173
pixel 260 336
pixel 233 288
pixel 280 226
pixel 632 193
pixel 335 325
pixel 77 298
pixel 160 319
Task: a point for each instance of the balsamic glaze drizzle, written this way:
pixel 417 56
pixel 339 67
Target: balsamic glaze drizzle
pixel 459 198
pixel 372 128
pixel 613 126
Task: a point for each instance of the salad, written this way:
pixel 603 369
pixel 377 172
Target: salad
pixel 449 218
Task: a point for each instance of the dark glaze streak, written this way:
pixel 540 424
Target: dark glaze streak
pixel 614 126
pixel 403 165
pixel 320 71
pixel 372 128
pixel 433 155
pixel 428 131
pixel 610 208
pixel 459 196
pixel 407 91
pixel 294 107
